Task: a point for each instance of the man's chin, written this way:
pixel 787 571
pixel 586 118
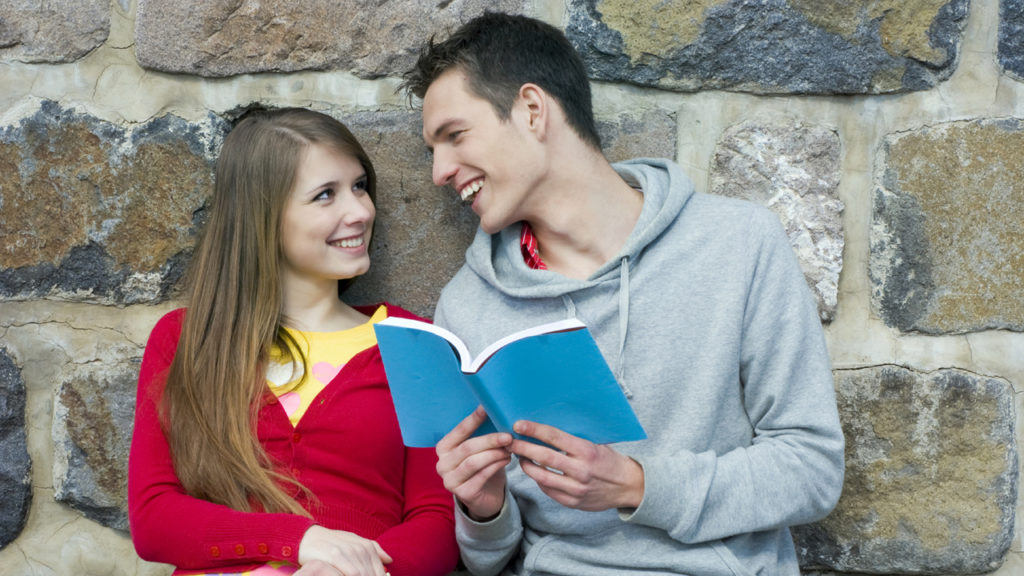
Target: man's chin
pixel 491 227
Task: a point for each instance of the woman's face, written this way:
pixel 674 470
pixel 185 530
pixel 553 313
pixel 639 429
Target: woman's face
pixel 327 220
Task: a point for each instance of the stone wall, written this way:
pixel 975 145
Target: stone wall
pixel 887 135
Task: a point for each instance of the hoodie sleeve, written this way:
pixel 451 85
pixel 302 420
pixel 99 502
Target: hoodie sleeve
pixel 792 471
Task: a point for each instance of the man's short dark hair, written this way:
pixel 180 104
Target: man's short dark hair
pixel 501 52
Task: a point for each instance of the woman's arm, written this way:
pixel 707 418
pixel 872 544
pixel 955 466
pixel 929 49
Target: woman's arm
pixel 168 525
pixel 424 543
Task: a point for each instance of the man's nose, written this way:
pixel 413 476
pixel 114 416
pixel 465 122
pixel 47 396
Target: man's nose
pixel 444 169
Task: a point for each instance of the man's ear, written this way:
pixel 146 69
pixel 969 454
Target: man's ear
pixel 535 102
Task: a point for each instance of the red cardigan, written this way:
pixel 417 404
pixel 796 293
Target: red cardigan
pixel 347 450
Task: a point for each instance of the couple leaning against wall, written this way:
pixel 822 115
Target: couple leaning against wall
pixel 266 439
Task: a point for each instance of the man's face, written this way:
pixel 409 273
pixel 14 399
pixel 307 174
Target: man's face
pixel 485 160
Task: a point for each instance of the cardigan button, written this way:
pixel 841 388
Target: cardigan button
pixel 263 548
pixel 215 551
pixel 286 551
pixel 239 549
pixel 296 437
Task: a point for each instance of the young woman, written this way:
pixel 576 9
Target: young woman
pixel 265 438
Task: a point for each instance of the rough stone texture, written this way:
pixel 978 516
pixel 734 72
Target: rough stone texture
pixel 92 430
pixel 93 211
pixel 651 134
pixel 931 475
pixel 15 464
pixel 947 239
pixel 55 31
pixel 1011 37
pixel 794 170
pixel 770 46
pixel 422 231
pixel 225 38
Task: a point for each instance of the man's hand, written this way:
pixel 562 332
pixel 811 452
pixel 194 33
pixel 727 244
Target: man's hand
pixel 345 552
pixel 473 469
pixel 578 473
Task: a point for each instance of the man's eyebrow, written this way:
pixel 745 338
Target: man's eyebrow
pixel 441 129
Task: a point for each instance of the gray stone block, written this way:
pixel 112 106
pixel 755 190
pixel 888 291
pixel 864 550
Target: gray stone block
pixel 52 32
pixel 947 242
pixel 1011 37
pixel 931 475
pixel 369 39
pixel 770 46
pixel 652 133
pixel 15 464
pixel 421 231
pixel 793 170
pixel 92 430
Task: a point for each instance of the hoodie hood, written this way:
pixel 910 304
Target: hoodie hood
pixel 497 258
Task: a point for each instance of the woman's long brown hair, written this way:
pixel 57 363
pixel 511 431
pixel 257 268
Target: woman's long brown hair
pixel 216 382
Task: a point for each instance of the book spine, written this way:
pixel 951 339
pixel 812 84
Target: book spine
pixel 483 395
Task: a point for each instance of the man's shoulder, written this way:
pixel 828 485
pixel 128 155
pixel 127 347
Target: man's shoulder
pixel 723 214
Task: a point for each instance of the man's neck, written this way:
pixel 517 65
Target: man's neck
pixel 585 219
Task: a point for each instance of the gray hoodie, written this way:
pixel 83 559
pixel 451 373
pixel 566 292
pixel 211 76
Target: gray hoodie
pixel 708 324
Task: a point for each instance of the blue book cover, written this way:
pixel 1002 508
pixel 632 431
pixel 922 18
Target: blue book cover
pixel 553 374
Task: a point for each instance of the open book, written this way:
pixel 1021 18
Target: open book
pixel 553 374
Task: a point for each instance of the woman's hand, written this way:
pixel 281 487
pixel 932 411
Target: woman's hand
pixel 345 552
pixel 317 568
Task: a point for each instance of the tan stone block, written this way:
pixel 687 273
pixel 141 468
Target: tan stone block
pixel 931 475
pixel 947 237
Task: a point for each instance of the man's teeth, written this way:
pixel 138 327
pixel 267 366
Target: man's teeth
pixel 470 190
pixel 348 242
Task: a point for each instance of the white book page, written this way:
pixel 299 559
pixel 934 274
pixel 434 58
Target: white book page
pixel 558 326
pixel 460 347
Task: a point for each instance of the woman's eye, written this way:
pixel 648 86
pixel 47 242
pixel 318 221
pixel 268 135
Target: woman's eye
pixel 360 185
pixel 324 194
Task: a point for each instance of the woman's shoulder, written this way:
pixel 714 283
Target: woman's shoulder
pixel 170 323
pixel 167 330
pixel 395 311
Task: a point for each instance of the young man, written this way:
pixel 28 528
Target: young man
pixel 696 301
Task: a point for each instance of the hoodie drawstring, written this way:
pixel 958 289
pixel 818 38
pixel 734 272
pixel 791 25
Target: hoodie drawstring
pixel 623 324
pixel 570 308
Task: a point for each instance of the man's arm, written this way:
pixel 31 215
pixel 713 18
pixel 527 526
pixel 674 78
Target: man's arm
pixel 487 522
pixel 792 471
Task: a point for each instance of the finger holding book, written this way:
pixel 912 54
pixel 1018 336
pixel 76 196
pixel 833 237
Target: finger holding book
pixel 578 473
pixel 473 468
